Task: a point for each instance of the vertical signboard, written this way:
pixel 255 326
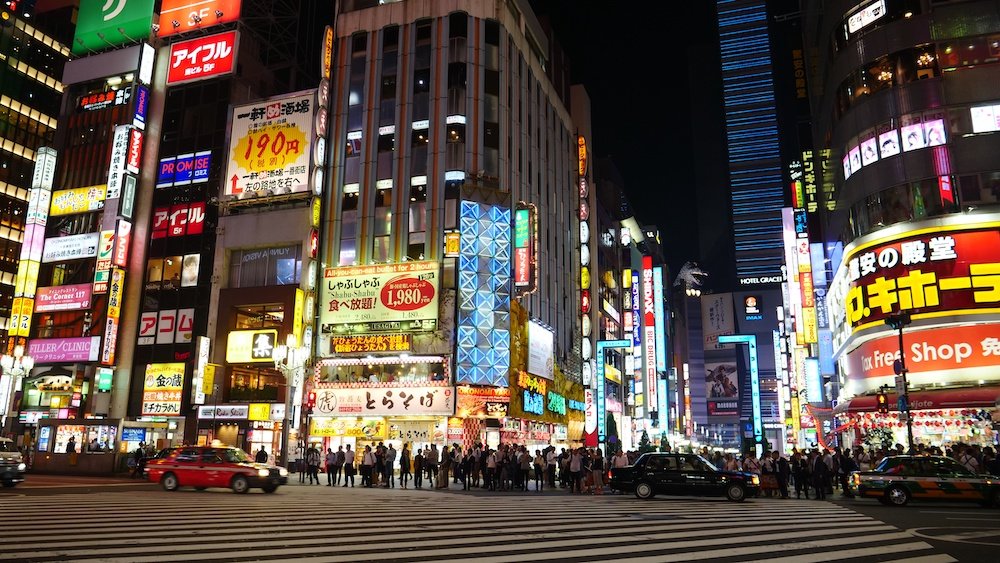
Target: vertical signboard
pixel 525 233
pixel 661 332
pixel 649 332
pixel 115 291
pixel 33 243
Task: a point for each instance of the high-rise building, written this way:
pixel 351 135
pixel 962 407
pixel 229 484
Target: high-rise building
pixel 756 183
pixel 451 236
pixel 30 96
pixel 905 99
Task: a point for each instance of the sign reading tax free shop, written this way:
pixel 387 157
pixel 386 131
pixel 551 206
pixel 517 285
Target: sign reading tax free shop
pixel 384 293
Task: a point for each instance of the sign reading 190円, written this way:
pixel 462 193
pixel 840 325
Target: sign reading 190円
pixel 270 146
pixel 385 293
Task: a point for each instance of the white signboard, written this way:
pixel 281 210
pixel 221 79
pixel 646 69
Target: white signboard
pixel 269 147
pixel 379 293
pixel 119 150
pixel 73 247
pixel 383 401
pixel 540 346
pixel 224 412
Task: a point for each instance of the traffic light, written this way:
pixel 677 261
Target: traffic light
pixel 882 401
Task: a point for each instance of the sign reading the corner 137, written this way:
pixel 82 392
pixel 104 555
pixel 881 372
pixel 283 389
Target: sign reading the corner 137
pixel 109 23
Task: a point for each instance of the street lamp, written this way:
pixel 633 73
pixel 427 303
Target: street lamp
pixel 14 367
pixel 897 322
pixel 287 359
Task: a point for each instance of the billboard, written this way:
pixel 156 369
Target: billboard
pixel 251 346
pixel 63 298
pixel 181 16
pixel 935 354
pixel 78 200
pixel 162 389
pixel 184 169
pixel 270 143
pixel 925 272
pixel 385 401
pixel 203 57
pixel 72 247
pixel 382 296
pixel 64 350
pixel 109 23
pixel 649 333
pixel 178 220
pixel 722 389
pixel 540 351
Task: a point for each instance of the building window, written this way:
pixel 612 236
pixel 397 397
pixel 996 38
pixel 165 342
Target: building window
pixel 265 266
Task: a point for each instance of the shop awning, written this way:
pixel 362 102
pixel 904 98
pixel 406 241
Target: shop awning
pixel 968 397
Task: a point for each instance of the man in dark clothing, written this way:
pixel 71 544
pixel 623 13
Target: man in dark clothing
pixel 781 472
pixel 261 456
pixel 820 474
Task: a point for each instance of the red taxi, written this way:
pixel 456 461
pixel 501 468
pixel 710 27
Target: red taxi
pixel 213 466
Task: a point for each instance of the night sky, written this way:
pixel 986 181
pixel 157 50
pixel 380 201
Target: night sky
pixel 638 61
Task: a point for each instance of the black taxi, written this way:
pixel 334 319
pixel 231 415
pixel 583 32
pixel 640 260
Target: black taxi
pixel 898 479
pixel 682 474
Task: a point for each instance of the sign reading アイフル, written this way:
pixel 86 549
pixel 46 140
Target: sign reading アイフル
pixel 380 298
pixel 269 147
pixel 108 23
pixel 203 57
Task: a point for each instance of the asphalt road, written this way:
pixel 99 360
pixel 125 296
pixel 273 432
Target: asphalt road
pixel 53 518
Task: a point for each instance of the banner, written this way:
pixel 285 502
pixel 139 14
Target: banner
pixel 384 293
pixel 162 388
pixel 63 298
pixel 722 386
pixel 78 200
pixel 203 57
pixel 368 429
pixel 385 401
pixel 270 144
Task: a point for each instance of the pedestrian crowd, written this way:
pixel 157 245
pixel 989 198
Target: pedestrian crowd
pixel 512 467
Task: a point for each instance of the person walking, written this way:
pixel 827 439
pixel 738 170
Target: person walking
pixel 418 469
pixel 551 462
pixel 349 465
pixel 781 472
pixel 390 467
pixel 338 465
pixel 444 468
pixel 597 472
pixel 261 456
pixel 404 465
pixel 468 460
pixel 367 466
pixel 575 466
pixel 312 464
pixel 431 458
pixel 491 470
pixel 820 473
pixel 331 462
pixel 539 470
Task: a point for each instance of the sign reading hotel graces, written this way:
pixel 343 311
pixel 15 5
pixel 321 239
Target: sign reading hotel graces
pixel 921 272
pixel 385 401
pixel 384 293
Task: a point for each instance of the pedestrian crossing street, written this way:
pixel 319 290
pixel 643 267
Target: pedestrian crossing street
pixel 337 524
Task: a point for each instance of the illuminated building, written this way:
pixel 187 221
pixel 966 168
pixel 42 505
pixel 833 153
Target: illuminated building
pixel 455 169
pixel 30 94
pixel 905 102
pixel 125 312
pixel 754 159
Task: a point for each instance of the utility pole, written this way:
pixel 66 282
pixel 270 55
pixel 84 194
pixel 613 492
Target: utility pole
pixel 897 322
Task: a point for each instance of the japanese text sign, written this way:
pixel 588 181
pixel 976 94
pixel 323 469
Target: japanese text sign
pixel 385 401
pixel 371 343
pixel 203 57
pixel 270 144
pixel 380 293
pixel 63 298
pixel 162 388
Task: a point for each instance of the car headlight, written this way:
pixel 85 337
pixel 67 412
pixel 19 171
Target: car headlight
pixel 755 479
pixel 263 472
pixel 21 467
pixel 282 471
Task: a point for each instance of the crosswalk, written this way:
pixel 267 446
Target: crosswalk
pixel 337 525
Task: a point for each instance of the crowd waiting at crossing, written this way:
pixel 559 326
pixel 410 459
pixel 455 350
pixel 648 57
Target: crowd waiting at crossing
pixel 512 467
